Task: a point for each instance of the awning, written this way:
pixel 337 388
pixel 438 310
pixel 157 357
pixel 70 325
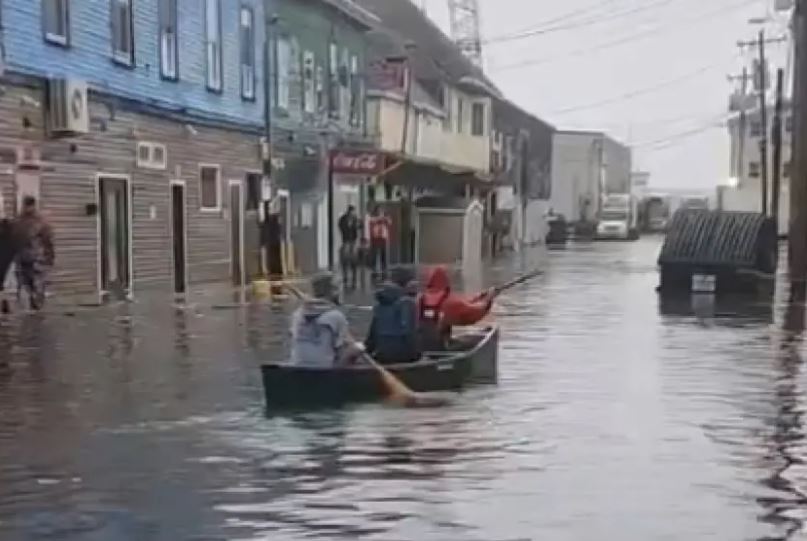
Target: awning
pixel 433 175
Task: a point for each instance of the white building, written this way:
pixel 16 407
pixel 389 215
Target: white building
pixel 585 167
pixel 744 190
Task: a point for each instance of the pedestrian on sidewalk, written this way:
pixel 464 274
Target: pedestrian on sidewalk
pixel 33 239
pixel 7 253
pixel 379 226
pixel 349 230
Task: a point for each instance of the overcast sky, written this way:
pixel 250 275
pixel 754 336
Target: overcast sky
pixel 670 56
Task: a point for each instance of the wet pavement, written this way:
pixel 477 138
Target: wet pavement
pixel 617 417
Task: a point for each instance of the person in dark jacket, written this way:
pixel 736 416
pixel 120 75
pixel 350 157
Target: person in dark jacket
pixel 349 230
pixel 35 256
pixel 8 252
pixel 393 334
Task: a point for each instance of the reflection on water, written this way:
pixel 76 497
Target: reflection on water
pixel 619 415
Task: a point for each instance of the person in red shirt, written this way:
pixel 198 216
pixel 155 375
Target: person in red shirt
pixel 440 310
pixel 379 228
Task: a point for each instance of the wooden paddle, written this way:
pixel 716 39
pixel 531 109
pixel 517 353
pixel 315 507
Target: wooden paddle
pixel 399 393
pixel 498 290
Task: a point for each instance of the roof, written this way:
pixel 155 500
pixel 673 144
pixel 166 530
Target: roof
pixel 353 11
pixel 435 57
pixel 504 102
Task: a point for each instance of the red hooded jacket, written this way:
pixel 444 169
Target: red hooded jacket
pixel 454 309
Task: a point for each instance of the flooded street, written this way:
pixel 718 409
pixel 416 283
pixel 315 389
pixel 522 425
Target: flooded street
pixel 616 417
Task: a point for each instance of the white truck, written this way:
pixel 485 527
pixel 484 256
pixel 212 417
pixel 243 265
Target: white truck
pixel 619 217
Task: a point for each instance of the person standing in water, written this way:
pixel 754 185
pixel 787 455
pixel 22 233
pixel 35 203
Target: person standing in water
pixel 35 253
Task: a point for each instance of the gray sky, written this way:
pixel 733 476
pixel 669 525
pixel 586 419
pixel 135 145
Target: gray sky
pixel 671 56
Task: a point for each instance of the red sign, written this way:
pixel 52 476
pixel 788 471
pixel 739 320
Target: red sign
pixel 353 162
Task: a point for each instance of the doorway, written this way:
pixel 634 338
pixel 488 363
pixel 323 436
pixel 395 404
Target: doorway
pixel 236 233
pixel 114 220
pixel 179 238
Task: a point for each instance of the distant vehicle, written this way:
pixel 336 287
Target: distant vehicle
pixel 695 203
pixel 656 215
pixel 619 218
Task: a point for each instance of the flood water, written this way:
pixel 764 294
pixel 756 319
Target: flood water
pixel 617 417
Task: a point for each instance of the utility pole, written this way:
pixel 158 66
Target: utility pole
pixel 760 43
pixel 798 188
pixel 763 111
pixel 776 138
pixel 266 146
pixel 742 124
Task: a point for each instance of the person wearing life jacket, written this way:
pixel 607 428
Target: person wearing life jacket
pixel 393 334
pixel 440 310
pixel 320 334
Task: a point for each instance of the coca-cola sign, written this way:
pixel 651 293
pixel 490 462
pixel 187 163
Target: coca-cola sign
pixel 352 162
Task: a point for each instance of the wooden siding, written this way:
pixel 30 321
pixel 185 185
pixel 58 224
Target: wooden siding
pixel 68 184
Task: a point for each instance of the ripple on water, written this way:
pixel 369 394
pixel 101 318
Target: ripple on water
pixel 618 416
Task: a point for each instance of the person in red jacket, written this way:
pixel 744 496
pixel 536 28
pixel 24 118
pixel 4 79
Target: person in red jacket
pixel 440 310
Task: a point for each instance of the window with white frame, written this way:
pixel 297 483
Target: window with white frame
pixel 169 41
pixel 56 21
pixel 209 187
pixel 333 80
pixel 355 92
pixel 309 87
pixel 478 119
pixel 247 31
pixel 122 32
pixel 283 79
pixel 344 85
pixel 754 169
pixel 319 85
pixel 213 44
pixel 448 107
pixel 460 114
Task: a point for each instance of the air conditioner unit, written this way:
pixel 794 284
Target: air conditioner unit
pixel 152 155
pixel 68 111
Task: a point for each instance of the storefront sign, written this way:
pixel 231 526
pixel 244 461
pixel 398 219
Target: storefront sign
pixel 350 162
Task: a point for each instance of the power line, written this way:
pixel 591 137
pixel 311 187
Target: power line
pixel 665 142
pixel 640 92
pixel 506 38
pixel 655 31
pixel 570 15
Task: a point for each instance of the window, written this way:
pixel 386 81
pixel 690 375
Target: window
pixel 344 85
pixel 213 44
pixel 319 85
pixel 309 88
pixel 755 129
pixel 152 155
pixel 460 106
pixel 333 80
pixel 56 21
pixel 355 92
pixel 169 46
pixel 478 119
pixel 789 124
pixel 753 169
pixel 247 31
pixel 283 79
pixel 448 120
pixel 122 32
pixel 209 188
pixel 507 153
